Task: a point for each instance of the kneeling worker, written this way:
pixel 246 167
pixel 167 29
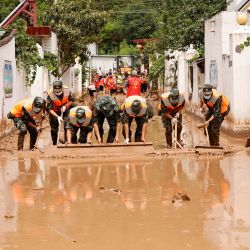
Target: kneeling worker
pixel 135 107
pixel 218 107
pixel 171 105
pixel 27 116
pixel 81 118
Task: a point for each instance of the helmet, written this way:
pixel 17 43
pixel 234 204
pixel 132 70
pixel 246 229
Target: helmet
pixel 80 115
pixel 174 96
pixel 107 109
pixel 207 91
pixel 134 73
pixel 57 87
pixel 38 104
pixel 136 106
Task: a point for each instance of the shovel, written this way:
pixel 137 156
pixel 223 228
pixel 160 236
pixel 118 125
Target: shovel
pixel 176 143
pixel 208 146
pixel 38 136
pixel 59 130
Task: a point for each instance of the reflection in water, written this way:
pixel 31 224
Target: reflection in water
pixel 135 187
pixel 66 196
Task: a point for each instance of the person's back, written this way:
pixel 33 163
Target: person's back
pixel 134 85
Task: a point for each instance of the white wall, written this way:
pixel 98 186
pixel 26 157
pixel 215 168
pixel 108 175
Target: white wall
pixel 217 31
pixel 241 82
pixel 7 52
pixel 105 62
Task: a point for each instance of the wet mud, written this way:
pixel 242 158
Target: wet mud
pixel 163 203
pixel 170 199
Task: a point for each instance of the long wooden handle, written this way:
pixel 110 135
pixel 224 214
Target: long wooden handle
pixel 208 143
pixel 59 130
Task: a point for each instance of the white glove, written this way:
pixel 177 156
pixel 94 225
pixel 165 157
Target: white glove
pixel 63 109
pixel 127 141
pixel 174 120
pixel 59 119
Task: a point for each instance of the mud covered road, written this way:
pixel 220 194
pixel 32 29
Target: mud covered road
pixel 130 203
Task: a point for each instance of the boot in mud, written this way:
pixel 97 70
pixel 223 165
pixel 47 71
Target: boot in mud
pixel 20 142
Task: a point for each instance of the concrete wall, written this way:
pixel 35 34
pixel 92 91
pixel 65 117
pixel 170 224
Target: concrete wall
pixel 222 35
pixel 7 53
pixel 105 62
pixel 42 83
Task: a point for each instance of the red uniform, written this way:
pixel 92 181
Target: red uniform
pixel 110 83
pixel 134 86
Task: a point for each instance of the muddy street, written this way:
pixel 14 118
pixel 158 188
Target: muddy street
pixel 143 202
pixel 126 204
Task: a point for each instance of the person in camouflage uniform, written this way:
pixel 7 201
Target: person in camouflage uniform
pixel 27 116
pixel 107 107
pixel 135 107
pixel 217 108
pixel 170 108
pixel 59 101
pixel 81 119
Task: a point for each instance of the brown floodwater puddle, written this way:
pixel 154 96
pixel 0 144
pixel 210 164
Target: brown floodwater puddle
pixel 70 204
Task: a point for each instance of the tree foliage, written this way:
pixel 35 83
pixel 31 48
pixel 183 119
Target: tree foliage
pixel 76 24
pixel 183 22
pixel 133 19
pixel 6 6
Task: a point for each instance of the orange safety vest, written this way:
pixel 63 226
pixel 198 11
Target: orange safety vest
pixel 27 104
pixel 173 109
pixel 73 119
pixel 128 103
pixel 56 101
pixel 215 96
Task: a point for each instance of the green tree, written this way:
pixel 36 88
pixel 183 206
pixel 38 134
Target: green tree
pixel 134 19
pixel 76 24
pixel 183 22
pixel 6 6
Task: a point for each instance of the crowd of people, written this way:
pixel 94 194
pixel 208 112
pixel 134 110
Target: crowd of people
pixel 28 115
pixel 113 83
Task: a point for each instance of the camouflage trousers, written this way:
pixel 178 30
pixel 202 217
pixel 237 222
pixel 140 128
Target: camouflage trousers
pixel 83 134
pixel 23 129
pixel 214 129
pixel 139 124
pixel 169 129
pixel 54 125
pixel 112 127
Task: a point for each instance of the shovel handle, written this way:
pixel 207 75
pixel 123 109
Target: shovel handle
pixel 59 130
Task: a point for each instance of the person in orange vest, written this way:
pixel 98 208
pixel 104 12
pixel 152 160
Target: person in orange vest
pixel 111 85
pixel 218 107
pixel 170 107
pixel 81 118
pixel 133 85
pixel 59 102
pixel 27 116
pixel 135 107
